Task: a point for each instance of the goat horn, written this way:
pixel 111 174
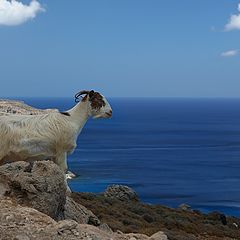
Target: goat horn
pixel 77 95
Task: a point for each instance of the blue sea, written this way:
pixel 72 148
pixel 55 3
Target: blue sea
pixel 170 150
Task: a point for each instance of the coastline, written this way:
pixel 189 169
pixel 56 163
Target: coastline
pixel 34 204
pixel 177 223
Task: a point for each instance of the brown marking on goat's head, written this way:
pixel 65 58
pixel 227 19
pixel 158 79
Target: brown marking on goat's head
pixel 96 100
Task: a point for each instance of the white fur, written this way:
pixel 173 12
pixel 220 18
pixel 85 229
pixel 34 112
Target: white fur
pixel 48 136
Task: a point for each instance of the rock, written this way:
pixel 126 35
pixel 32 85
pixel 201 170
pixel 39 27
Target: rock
pixel 22 237
pixel 216 216
pixel 185 207
pixel 120 192
pixel 79 213
pixel 40 185
pixel 24 222
pixel 136 236
pixel 19 107
pixel 105 228
pixel 28 223
pixel 66 226
pixel 159 236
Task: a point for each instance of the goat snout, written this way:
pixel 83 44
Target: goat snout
pixel 109 113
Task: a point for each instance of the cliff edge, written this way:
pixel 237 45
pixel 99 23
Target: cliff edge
pixel 34 205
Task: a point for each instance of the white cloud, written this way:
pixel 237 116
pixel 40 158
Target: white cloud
pixel 230 53
pixel 234 22
pixel 14 13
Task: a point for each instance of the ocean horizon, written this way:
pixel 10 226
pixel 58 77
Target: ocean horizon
pixel 169 150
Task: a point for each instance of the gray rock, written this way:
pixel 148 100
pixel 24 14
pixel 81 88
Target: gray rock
pixel 217 216
pixel 105 228
pixel 185 207
pixel 22 237
pixel 39 185
pixel 159 236
pixel 28 223
pixel 120 192
pixel 79 213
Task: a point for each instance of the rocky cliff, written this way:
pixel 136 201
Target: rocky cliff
pixel 34 205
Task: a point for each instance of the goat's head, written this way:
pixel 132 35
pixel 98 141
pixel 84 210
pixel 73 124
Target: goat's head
pixel 98 106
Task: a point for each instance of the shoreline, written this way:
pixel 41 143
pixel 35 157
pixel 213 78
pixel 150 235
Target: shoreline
pixel 177 223
pixel 87 186
pixel 39 189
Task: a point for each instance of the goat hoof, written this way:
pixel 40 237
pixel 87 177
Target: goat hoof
pixel 70 175
pixel 69 191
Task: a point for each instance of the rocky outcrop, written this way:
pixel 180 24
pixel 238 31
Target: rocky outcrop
pixel 39 185
pixel 34 205
pixel 120 192
pixel 24 223
pixel 19 107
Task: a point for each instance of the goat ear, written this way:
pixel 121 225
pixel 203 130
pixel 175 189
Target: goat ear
pixel 91 93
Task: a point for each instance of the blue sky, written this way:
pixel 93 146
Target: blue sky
pixel 123 48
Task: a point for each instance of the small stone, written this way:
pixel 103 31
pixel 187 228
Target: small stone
pixel 235 225
pixel 93 220
pixel 105 228
pixel 76 233
pixel 184 207
pixel 65 226
pixel 159 236
pixel 10 218
pixel 22 237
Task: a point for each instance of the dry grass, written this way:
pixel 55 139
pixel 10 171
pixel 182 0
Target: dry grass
pixel 148 219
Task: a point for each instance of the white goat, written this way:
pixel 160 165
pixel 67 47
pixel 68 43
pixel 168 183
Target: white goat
pixel 49 136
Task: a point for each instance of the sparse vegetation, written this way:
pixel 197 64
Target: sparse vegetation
pixel 133 216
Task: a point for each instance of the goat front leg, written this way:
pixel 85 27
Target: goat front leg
pixel 61 161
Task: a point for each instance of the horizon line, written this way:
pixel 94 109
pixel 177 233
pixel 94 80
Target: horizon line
pixel 127 97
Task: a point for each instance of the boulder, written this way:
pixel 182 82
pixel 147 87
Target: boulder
pixel 120 192
pixel 79 213
pixel 40 185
